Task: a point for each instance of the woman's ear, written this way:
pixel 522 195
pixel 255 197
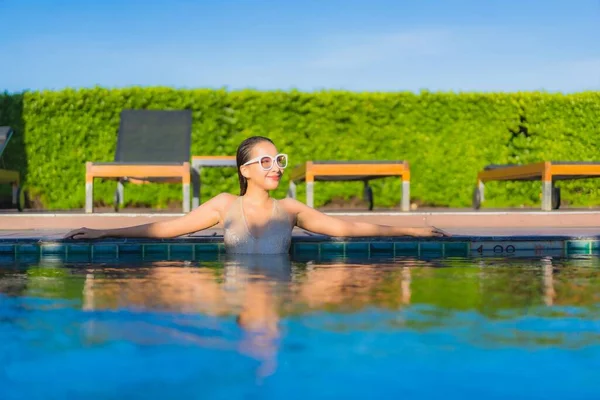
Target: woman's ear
pixel 245 172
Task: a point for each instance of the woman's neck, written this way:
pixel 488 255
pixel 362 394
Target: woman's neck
pixel 256 196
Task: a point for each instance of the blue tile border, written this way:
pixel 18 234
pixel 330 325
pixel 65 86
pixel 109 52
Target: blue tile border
pixel 53 248
pixel 357 248
pixel 77 248
pixel 130 248
pixel 431 247
pixel 27 248
pixel 383 248
pixel 332 248
pixel 7 248
pixel 306 247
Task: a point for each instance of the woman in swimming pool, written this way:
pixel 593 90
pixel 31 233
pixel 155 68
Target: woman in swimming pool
pixel 254 222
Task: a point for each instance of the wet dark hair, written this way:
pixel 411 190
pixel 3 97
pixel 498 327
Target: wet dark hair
pixel 243 155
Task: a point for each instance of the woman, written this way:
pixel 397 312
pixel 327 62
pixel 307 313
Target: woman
pixel 254 222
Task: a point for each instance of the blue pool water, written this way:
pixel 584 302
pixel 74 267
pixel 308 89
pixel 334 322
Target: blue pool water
pixel 272 328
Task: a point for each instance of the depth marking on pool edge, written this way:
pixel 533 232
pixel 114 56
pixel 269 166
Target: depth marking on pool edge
pixel 507 248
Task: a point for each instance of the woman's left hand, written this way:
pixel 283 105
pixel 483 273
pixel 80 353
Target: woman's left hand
pixel 430 231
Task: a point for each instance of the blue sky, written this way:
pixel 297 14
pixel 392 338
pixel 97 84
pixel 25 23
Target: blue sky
pixel 370 45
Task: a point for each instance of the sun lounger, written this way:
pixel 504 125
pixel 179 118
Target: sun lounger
pixel 328 171
pixel 8 176
pixel 152 146
pixel 548 172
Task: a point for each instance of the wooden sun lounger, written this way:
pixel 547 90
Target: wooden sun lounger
pixel 548 172
pixel 8 176
pixel 152 146
pixel 365 171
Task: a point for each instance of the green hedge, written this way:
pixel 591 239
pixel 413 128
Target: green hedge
pixel 446 137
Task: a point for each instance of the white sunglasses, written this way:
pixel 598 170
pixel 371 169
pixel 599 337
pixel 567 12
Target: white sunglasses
pixel 267 162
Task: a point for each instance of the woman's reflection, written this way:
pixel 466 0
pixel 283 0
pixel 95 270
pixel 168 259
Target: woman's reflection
pixel 256 290
pixel 247 287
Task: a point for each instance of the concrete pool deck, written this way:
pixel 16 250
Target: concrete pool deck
pixel 573 223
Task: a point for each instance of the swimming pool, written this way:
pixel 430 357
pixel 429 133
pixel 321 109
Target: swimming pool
pixel 293 327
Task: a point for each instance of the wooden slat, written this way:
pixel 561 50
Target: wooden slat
pixel 574 169
pixel 9 176
pixel 513 172
pixel 138 171
pixel 357 169
pixel 309 170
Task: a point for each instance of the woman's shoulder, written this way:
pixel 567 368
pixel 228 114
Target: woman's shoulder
pixel 224 196
pixel 223 201
pixel 292 206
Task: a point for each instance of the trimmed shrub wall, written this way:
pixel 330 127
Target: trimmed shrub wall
pixel 447 138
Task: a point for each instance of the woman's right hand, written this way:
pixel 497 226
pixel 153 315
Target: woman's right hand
pixel 85 233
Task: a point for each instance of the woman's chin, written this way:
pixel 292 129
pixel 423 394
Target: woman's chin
pixel 271 185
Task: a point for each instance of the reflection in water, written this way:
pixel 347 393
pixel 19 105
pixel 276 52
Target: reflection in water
pixel 244 286
pixel 264 288
pixel 549 292
pixel 405 285
pixel 250 303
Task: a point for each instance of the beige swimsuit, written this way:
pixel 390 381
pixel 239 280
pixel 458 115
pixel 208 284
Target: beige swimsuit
pixel 275 239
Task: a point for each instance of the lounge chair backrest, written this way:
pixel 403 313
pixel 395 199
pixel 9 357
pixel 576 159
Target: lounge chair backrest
pixel 5 134
pixel 154 136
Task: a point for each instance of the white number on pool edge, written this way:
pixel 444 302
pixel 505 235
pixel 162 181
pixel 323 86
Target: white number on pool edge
pixel 534 248
pixel 499 249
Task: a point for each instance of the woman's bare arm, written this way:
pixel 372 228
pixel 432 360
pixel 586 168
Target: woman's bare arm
pixel 203 217
pixel 315 221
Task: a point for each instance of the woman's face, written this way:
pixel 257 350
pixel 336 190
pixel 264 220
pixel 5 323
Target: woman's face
pixel 267 168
